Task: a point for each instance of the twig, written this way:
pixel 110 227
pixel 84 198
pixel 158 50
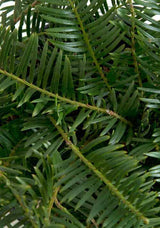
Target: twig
pixel 25 11
pixel 133 43
pixel 17 196
pixel 76 103
pixel 90 49
pixel 52 201
pixel 107 182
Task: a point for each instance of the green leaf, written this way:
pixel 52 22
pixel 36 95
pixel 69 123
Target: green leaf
pixel 56 73
pixel 27 55
pixel 80 118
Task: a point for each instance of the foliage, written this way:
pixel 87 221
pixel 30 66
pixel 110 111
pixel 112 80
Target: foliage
pixel 79 108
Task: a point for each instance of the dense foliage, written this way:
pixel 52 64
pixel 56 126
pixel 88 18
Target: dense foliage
pixel 79 114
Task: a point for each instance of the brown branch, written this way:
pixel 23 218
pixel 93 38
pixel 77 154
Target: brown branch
pixel 25 11
pixel 52 201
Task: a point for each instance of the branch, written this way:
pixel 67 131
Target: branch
pixel 12 153
pixel 90 49
pixel 133 43
pixel 18 198
pixel 57 203
pixel 76 103
pixel 25 11
pixel 52 201
pixel 107 182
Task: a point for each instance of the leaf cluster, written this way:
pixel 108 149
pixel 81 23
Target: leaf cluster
pixel 79 114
